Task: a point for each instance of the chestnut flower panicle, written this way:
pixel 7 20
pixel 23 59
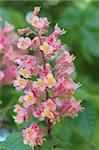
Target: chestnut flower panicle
pixel 9 52
pixel 48 96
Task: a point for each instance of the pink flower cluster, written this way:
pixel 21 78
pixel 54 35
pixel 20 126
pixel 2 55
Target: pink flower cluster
pixel 33 135
pixel 48 91
pixel 9 52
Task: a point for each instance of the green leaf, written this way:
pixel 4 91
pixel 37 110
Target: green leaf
pixel 92 17
pixel 89 41
pixel 13 16
pixel 14 142
pixel 63 129
pixel 34 78
pixel 69 16
pixel 81 94
pixel 5 16
pixel 96 133
pixel 17 18
pixel 95 99
pixel 54 144
pixel 82 4
pixel 84 124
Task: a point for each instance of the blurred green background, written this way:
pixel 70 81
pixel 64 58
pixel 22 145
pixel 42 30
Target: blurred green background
pixel 80 18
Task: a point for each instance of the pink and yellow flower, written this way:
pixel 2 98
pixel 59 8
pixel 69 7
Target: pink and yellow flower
pixel 22 114
pixel 71 107
pixel 46 48
pixel 48 88
pixel 24 43
pixel 50 105
pixel 8 27
pixel 39 84
pixel 28 99
pixel 25 73
pixel 57 30
pixel 50 81
pixel 33 135
pixel 18 119
pixel 48 113
pixel 39 114
pixel 35 43
pixel 20 83
pixel 35 21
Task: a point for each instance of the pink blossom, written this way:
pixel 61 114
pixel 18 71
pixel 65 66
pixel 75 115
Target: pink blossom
pixel 28 99
pixel 55 118
pixel 1 75
pixel 36 11
pixel 44 24
pixel 18 109
pixel 64 71
pixel 39 84
pixel 18 119
pixel 29 62
pixel 24 72
pixel 39 114
pixel 43 72
pixel 19 62
pixel 48 114
pixel 50 81
pixel 22 114
pixel 8 27
pixel 57 45
pixel 24 43
pixel 9 55
pixel 35 22
pixel 9 74
pixel 51 39
pixel 65 86
pixel 19 83
pixel 39 24
pixel 1 46
pixel 10 52
pixel 71 107
pixel 35 43
pixel 49 104
pixel 65 65
pixel 66 58
pixel 46 48
pixel 33 135
pixel 57 30
pixel 48 88
pixel 58 102
pixel 26 31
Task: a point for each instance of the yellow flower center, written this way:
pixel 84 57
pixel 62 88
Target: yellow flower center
pixel 30 97
pixel 21 81
pixel 47 113
pixel 24 71
pixel 18 109
pixel 45 47
pixel 27 140
pixel 50 80
pixel 36 22
pixel 49 105
pixel 39 83
pixel 30 131
pixel 24 43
